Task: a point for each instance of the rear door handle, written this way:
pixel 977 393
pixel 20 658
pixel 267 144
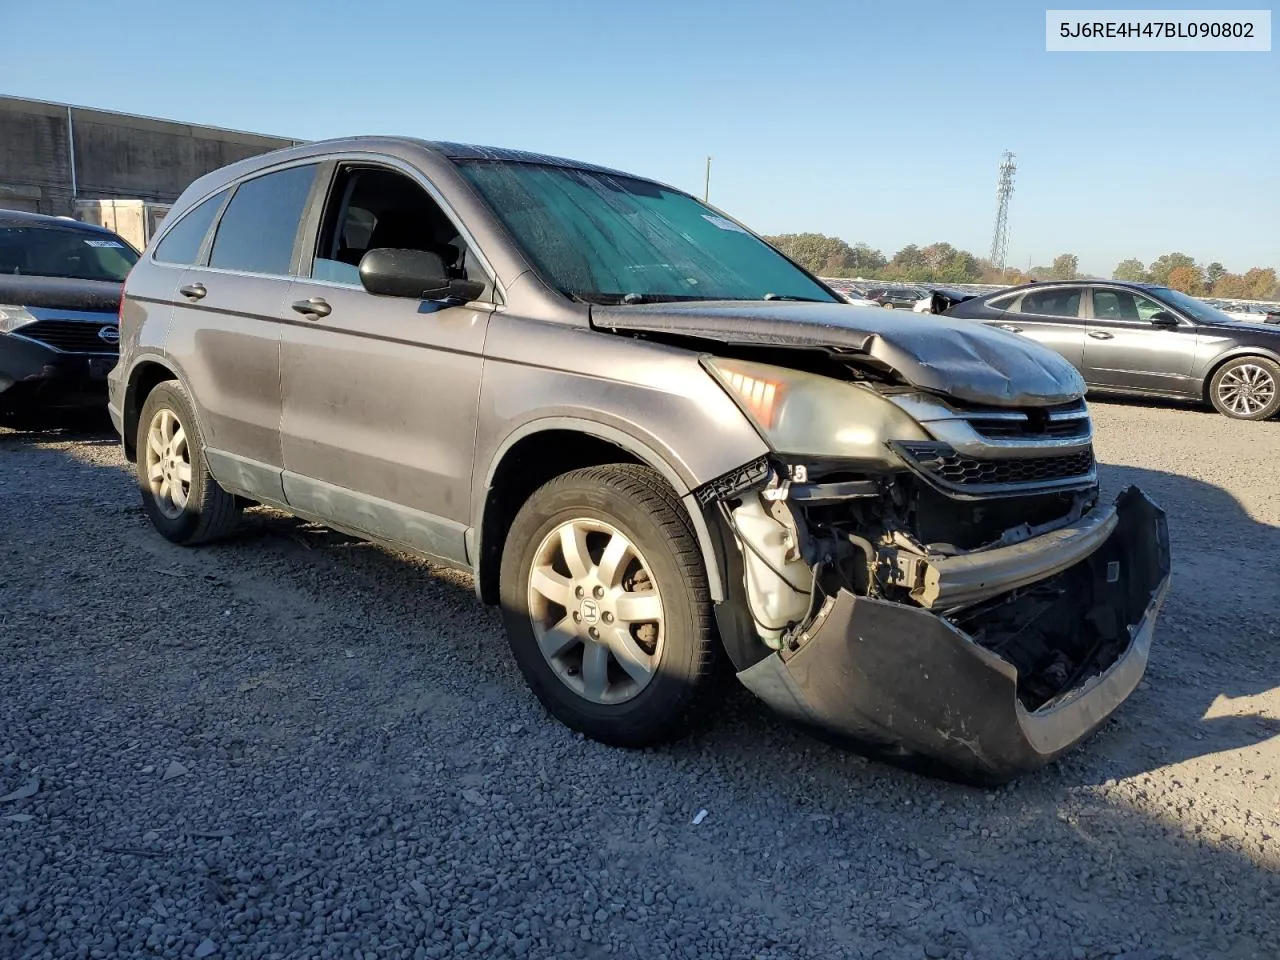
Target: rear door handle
pixel 193 291
pixel 1101 335
pixel 1010 327
pixel 314 308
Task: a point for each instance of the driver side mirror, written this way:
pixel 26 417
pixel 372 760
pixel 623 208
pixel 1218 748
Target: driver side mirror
pixel 1164 320
pixel 413 274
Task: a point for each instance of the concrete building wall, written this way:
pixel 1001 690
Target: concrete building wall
pixel 116 156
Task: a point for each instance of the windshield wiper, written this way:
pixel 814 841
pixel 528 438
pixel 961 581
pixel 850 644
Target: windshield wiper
pixel 778 296
pixel 631 299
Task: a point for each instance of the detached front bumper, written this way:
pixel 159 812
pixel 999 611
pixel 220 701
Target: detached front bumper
pixel 906 682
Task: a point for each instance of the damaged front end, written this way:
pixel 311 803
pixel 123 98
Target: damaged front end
pixel 948 587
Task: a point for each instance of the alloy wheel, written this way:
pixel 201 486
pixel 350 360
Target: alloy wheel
pixel 1247 389
pixel 596 611
pixel 168 463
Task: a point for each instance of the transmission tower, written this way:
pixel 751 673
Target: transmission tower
pixel 1004 190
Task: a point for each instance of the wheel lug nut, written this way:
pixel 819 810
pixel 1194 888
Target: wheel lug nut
pixel 607 617
pixel 579 592
pixel 598 592
pixel 594 633
pixel 577 617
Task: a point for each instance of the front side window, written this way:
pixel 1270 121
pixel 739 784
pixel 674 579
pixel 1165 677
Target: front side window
pixel 257 232
pixel 606 238
pixel 1060 302
pixel 1197 309
pixel 371 208
pixel 182 244
pixel 1123 305
pixel 40 250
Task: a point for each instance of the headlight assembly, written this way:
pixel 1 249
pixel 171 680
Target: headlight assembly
pixel 805 414
pixel 13 317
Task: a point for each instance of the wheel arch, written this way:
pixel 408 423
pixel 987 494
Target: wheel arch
pixel 1238 353
pixel 544 449
pixel 145 375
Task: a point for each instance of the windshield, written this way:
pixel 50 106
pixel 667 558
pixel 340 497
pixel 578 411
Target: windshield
pixel 1196 309
pixel 40 251
pixel 605 238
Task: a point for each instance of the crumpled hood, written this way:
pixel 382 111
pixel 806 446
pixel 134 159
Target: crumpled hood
pixel 945 355
pixel 102 296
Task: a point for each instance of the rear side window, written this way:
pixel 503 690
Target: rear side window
pixel 1002 303
pixel 1053 303
pixel 257 232
pixel 182 243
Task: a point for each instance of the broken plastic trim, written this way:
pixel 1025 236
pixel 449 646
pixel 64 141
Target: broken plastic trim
pixel 734 483
pixel 903 682
pixel 944 582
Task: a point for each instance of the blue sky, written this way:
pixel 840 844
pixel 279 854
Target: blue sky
pixel 877 122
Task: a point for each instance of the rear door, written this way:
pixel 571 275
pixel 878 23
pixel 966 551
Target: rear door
pixel 380 394
pixel 1125 351
pixel 1051 315
pixel 225 331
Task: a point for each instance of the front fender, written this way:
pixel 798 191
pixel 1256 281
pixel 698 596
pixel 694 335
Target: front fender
pixel 656 403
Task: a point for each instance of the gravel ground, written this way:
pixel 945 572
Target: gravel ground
pixel 294 745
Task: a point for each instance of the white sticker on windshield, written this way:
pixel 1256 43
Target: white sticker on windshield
pixel 722 223
pixel 105 243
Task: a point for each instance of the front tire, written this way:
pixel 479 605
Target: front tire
pixel 179 495
pixel 606 605
pixel 1247 388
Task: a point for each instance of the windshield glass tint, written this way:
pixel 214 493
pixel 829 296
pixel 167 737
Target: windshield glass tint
pixel 601 237
pixel 1196 309
pixel 50 252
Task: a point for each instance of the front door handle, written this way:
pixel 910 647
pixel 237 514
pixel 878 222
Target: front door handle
pixel 193 291
pixel 314 308
pixel 1010 327
pixel 1101 335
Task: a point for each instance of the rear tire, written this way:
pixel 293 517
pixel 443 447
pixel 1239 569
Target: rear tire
pixel 606 605
pixel 180 497
pixel 1247 388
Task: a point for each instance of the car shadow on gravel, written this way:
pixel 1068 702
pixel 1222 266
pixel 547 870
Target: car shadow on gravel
pixel 1215 653
pixel 90 427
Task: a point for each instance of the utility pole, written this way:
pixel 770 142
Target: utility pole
pixel 1004 190
pixel 706 189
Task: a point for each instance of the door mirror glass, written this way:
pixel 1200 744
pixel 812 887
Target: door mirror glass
pixel 1163 319
pixel 413 274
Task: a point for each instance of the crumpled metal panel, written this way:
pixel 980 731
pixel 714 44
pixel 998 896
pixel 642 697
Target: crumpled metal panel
pixel 957 358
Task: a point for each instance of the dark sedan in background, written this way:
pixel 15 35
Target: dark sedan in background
pixel 60 283
pixel 904 298
pixel 1135 338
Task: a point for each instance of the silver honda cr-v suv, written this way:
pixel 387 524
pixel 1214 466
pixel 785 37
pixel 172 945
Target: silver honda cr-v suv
pixel 654 440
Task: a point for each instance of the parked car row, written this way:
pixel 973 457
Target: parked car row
pixel 654 441
pixel 1143 339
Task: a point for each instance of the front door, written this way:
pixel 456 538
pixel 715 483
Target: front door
pixel 380 394
pixel 1125 351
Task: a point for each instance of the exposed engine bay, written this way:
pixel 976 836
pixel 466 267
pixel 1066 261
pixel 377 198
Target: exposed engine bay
pixel 921 561
pixel 986 533
pixel 865 537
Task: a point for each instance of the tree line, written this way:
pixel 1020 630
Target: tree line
pixel 943 263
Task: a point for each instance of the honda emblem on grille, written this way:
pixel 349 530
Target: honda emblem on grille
pixel 109 334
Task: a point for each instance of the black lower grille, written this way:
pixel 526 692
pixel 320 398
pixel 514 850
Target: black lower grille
pixel 1002 429
pixel 940 461
pixel 72 336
